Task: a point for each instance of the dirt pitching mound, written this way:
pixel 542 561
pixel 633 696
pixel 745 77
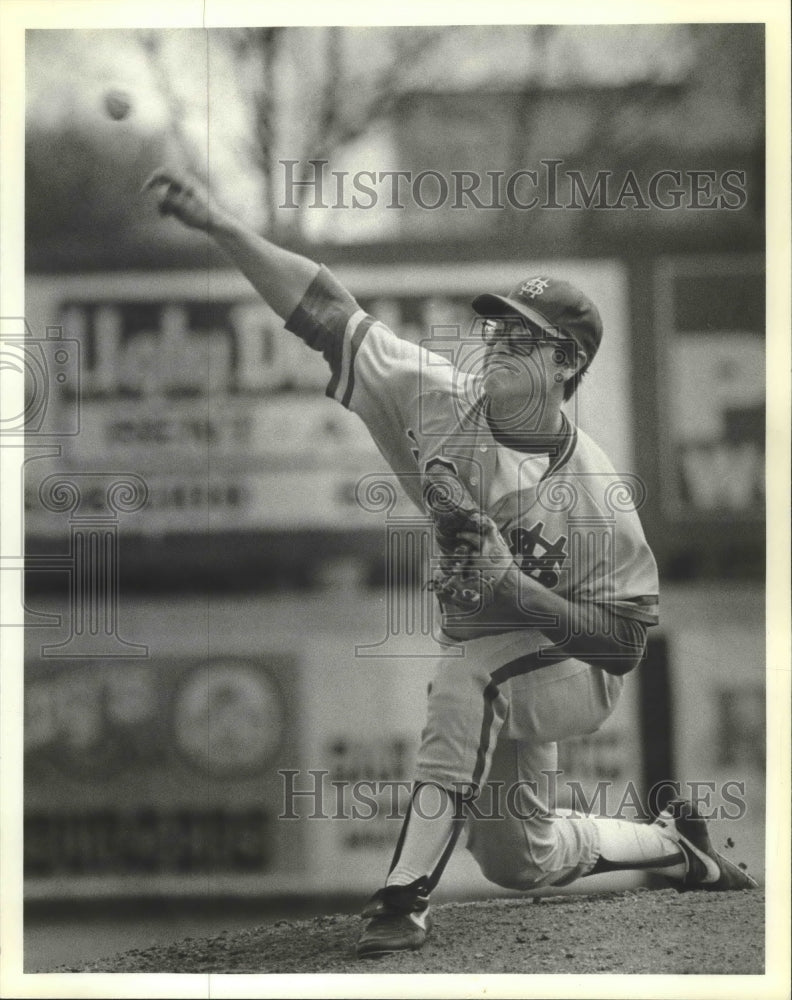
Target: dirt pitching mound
pixel 639 931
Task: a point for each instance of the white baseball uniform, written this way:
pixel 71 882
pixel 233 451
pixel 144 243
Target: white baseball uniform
pixel 569 519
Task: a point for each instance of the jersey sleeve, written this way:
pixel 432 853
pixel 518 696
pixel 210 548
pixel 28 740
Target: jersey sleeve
pixel 373 372
pixel 645 608
pixel 628 581
pixel 610 561
pixel 324 317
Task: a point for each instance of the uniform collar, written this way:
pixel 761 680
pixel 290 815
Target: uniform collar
pixel 558 447
pixel 551 444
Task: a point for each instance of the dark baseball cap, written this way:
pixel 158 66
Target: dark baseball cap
pixel 548 302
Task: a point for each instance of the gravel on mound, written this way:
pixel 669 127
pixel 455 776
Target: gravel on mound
pixel 638 931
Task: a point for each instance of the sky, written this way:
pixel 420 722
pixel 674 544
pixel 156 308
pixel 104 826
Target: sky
pixel 69 73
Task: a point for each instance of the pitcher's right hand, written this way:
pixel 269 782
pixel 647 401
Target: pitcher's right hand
pixel 184 198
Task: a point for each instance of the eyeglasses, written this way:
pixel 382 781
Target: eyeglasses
pixel 515 334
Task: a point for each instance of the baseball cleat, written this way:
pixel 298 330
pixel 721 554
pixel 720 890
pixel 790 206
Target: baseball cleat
pixel 706 869
pixel 397 920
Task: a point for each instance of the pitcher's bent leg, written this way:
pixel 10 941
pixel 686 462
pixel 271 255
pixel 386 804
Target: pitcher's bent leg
pixel 467 706
pixel 525 845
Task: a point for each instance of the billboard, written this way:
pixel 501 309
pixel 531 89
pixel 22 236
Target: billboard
pixel 165 767
pixel 189 381
pixel 710 318
pixel 266 744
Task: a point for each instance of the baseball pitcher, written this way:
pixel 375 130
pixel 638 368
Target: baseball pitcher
pixel 542 573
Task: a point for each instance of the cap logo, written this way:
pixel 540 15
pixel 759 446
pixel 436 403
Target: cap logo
pixel 534 287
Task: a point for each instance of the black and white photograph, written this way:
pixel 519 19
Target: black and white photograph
pixel 395 491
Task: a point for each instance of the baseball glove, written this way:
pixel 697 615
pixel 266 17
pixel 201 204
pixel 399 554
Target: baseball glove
pixel 459 578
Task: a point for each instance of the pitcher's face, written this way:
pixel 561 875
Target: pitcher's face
pixel 521 365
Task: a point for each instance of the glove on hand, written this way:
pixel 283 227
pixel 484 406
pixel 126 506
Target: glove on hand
pixel 474 558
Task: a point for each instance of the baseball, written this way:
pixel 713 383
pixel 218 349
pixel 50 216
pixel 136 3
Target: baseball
pixel 117 104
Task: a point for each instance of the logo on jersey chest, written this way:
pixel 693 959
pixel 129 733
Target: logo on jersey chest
pixel 540 556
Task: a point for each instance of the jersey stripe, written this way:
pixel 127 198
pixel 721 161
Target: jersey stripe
pixel 340 377
pixel 544 657
pixel 357 340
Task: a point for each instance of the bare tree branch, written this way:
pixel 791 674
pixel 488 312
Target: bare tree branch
pixel 151 43
pixel 341 117
pixel 257 49
pixel 342 127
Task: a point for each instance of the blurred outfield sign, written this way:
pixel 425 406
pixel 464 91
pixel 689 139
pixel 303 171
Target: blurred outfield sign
pixel 189 380
pixel 197 502
pixel 166 767
pixel 710 318
pixel 240 756
pixel 279 762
